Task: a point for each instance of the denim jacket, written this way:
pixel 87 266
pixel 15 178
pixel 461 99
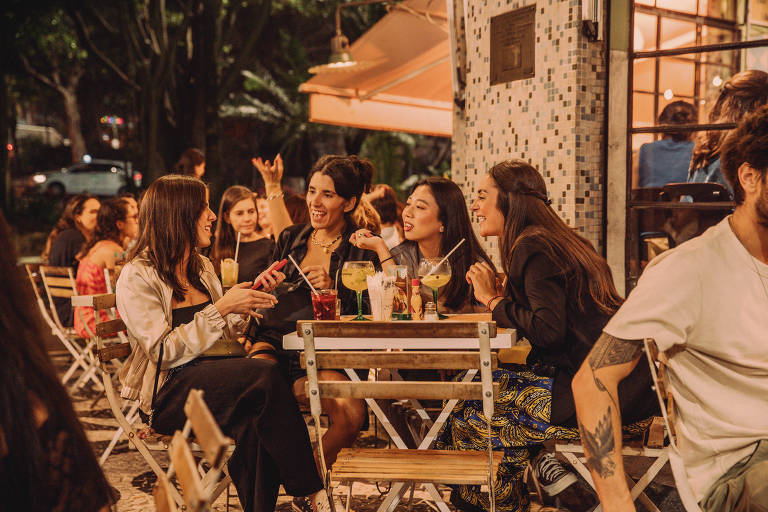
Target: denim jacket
pixel 144 303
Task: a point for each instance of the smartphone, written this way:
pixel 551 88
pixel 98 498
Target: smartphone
pixel 276 267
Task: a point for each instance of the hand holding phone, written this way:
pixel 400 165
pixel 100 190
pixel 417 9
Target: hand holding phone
pixel 275 267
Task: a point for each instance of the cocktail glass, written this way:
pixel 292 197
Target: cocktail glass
pixel 434 274
pixel 354 275
pixel 324 304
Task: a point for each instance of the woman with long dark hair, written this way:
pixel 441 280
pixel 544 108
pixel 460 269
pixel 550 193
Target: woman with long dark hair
pixel 117 223
pixel 183 333
pixel 191 163
pixel 238 214
pixel 334 186
pixel 558 294
pixel 73 229
pixel 46 462
pixel 435 219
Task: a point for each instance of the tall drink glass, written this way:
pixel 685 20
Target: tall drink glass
pixel 229 268
pixel 354 275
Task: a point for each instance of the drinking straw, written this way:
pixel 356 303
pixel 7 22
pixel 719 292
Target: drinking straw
pixel 434 268
pixel 237 246
pixel 302 274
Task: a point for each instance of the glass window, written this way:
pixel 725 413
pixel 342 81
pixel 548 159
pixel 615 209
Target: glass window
pixel 677 33
pixel 688 6
pixel 645 32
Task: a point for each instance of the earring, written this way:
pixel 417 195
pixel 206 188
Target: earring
pixel 442 228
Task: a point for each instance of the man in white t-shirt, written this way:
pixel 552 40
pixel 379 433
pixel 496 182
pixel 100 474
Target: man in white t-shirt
pixel 706 304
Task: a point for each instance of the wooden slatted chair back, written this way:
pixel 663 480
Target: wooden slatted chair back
pixel 58 282
pixel 207 432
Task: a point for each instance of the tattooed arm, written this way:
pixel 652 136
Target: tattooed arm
pixel 595 392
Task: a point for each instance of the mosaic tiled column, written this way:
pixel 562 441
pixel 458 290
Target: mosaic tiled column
pixel 555 120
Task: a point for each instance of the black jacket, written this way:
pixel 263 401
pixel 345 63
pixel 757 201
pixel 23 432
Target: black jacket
pixel 543 307
pixel 294 296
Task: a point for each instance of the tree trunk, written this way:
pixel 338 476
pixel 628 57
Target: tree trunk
pixel 74 128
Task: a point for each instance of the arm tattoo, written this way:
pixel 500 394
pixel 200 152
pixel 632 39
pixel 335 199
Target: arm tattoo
pixel 611 351
pixel 598 446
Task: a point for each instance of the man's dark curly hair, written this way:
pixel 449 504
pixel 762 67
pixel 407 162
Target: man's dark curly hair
pixel 747 143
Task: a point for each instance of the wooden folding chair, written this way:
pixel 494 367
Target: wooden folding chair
pixel 401 466
pixel 198 491
pixel 652 447
pixel 144 440
pixel 658 365
pixel 60 282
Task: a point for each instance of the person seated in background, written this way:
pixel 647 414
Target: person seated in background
pixel 335 184
pixel 182 331
pixel 704 303
pixel 743 93
pixel 118 221
pixel 668 160
pixel 238 214
pixel 66 240
pixel 46 461
pixel 435 219
pixel 558 295
pixel 384 201
pixel 191 163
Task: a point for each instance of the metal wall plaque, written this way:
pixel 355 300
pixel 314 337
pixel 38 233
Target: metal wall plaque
pixel 513 45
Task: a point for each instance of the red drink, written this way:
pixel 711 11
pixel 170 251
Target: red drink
pixel 324 305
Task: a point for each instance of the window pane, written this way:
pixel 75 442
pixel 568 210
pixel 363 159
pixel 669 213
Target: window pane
pixel 644 75
pixel 677 33
pixel 645 32
pixel 642 110
pixel 758 11
pixel 676 78
pixel 722 9
pixel 688 6
pixel 645 2
pixel 714 35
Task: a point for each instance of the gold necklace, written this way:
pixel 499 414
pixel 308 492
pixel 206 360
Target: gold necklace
pixel 327 246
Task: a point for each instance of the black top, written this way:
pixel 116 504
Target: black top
pixel 63 251
pixel 294 296
pixel 541 305
pixel 254 258
pixel 184 315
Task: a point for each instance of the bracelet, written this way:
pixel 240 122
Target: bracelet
pixel 488 304
pixel 275 195
pixel 385 260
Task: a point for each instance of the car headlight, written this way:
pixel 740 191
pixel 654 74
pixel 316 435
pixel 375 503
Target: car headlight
pixel 39 178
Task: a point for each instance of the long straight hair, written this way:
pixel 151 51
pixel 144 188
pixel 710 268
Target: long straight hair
pixel 168 228
pixel 225 239
pixel 29 386
pixel 742 94
pixel 453 213
pixel 527 215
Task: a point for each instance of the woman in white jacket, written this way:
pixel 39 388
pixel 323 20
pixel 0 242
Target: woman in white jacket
pixel 183 333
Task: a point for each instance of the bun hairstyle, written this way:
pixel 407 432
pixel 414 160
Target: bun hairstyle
pixel 679 112
pixel 528 216
pixel 352 177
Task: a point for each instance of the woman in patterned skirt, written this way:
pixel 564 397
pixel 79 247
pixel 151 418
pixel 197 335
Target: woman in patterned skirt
pixel 558 294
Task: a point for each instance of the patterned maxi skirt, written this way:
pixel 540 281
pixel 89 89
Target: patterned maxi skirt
pixel 519 426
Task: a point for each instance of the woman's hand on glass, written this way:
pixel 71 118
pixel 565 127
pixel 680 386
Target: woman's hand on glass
pixel 482 277
pixel 364 239
pixel 241 299
pixel 272 173
pixel 270 279
pixel 318 276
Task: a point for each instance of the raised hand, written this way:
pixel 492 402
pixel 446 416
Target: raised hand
pixel 272 173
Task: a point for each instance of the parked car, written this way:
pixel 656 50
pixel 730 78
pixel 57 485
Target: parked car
pixel 98 177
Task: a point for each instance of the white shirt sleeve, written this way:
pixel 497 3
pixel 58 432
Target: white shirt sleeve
pixel 666 303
